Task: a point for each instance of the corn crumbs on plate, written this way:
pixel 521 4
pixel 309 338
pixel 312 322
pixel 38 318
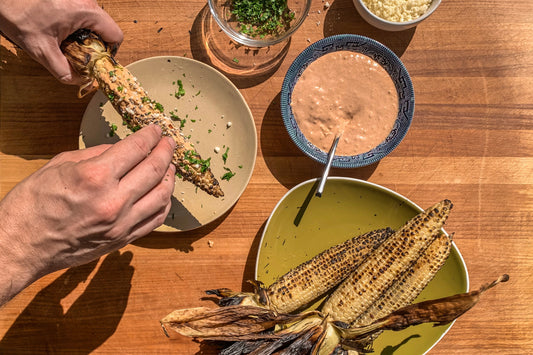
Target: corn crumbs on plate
pixel 303 225
pixel 210 111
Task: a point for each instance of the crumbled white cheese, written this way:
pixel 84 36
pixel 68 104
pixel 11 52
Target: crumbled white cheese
pixel 217 149
pixel 398 10
pixel 229 124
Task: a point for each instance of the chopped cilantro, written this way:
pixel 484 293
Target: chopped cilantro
pixel 240 166
pixel 145 99
pixel 182 123
pixel 235 60
pixel 111 96
pixel 228 175
pixel 225 155
pixel 159 107
pixel 180 91
pixel 113 130
pixel 120 88
pixel 196 107
pixel 198 93
pixel 260 18
pixel 112 73
pixel 193 120
pixel 209 131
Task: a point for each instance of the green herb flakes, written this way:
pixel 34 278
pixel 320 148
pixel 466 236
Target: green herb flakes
pixel 225 155
pixel 228 175
pixel 181 90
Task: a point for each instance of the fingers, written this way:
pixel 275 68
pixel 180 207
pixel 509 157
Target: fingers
pixel 127 153
pixel 101 23
pixel 152 208
pixel 149 224
pixel 50 56
pixel 150 171
pixel 79 155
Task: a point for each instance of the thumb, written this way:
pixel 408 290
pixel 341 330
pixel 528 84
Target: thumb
pixel 55 61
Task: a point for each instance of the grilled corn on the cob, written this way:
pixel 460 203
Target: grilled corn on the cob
pixel 89 56
pixel 366 284
pixel 310 280
pixel 405 289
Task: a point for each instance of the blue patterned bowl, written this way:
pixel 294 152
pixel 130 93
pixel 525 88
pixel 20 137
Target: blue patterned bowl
pixel 382 55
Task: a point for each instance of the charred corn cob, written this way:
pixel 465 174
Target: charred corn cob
pixel 405 289
pixel 310 280
pixel 91 57
pixel 366 284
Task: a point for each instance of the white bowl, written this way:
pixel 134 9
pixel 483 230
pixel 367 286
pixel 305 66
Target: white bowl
pixel 386 25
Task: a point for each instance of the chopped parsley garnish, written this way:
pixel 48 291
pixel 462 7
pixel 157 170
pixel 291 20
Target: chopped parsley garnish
pixel 235 60
pixel 113 130
pixel 145 99
pixel 196 107
pixel 182 123
pixel 112 73
pixel 193 120
pixel 159 107
pixel 111 96
pixel 227 176
pixel 135 128
pixel 190 155
pixel 198 93
pixel 209 131
pixel 225 155
pixel 120 88
pixel 240 166
pixel 260 18
pixel 181 90
pixel 174 117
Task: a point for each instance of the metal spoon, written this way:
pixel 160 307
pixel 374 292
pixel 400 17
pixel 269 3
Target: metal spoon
pixel 331 154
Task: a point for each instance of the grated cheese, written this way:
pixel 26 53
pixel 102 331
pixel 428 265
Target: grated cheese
pixel 398 10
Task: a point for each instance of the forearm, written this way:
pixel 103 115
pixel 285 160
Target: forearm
pixel 16 273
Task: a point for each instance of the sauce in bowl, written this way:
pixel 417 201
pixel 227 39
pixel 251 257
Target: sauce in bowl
pixel 345 93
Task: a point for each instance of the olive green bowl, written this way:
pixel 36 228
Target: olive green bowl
pixel 302 225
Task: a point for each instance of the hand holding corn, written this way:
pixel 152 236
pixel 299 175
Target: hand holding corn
pixel 92 59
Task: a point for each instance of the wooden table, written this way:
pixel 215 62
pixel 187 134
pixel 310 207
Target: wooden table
pixel 471 141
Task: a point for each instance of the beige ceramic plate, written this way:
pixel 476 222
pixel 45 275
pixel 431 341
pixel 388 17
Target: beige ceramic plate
pixel 210 102
pixel 347 208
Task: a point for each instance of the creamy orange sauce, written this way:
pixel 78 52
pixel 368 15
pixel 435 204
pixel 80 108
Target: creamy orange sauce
pixel 349 93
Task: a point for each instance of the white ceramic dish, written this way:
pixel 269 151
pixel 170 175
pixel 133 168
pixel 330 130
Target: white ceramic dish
pixel 210 102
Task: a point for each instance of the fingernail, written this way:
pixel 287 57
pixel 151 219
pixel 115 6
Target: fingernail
pixel 172 142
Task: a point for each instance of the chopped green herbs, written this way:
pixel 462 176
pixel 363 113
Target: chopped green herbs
pixel 225 155
pixel 181 90
pixel 260 18
pixel 112 73
pixel 113 130
pixel 235 60
pixel 120 88
pixel 193 120
pixel 145 99
pixel 111 96
pixel 198 93
pixel 228 175
pixel 209 131
pixel 174 117
pixel 240 166
pixel 159 107
pixel 192 157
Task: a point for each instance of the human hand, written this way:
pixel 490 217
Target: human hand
pixel 39 27
pixel 84 204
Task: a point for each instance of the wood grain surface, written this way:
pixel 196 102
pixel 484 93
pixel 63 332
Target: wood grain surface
pixel 471 141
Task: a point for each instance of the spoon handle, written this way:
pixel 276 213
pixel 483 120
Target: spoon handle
pixel 331 154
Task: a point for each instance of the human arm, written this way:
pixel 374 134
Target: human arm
pixel 39 27
pixel 84 204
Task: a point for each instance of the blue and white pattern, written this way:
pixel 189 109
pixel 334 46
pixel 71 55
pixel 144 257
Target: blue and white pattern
pixel 382 55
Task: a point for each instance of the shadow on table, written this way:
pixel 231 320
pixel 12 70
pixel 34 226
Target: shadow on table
pixel 45 327
pixel 343 18
pixel 244 66
pixel 286 162
pixel 181 241
pixel 39 116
